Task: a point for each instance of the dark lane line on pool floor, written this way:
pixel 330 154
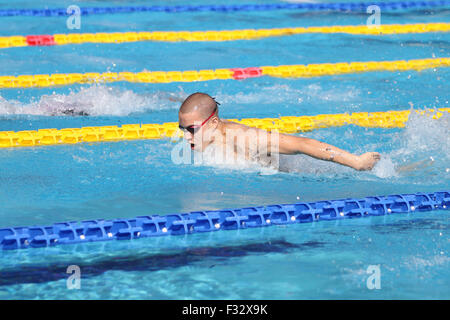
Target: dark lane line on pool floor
pixel 150 262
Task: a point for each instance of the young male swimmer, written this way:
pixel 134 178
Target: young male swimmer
pixel 199 120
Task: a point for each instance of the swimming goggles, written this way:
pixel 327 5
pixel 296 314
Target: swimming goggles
pixel 192 129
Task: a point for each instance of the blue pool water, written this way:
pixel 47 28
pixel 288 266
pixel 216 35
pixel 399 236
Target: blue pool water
pixel 325 260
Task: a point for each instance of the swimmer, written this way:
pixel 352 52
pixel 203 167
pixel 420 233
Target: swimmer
pixel 199 120
pixel 69 112
pixel 72 112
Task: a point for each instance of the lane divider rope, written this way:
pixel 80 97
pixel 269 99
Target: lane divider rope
pixel 283 71
pixel 346 7
pixel 223 35
pixel 215 220
pixel 289 124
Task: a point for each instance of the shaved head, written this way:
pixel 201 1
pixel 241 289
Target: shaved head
pixel 199 118
pixel 200 103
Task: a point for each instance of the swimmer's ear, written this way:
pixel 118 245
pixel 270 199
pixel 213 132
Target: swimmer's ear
pixel 215 120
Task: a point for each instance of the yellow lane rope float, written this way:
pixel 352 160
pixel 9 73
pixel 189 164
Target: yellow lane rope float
pixel 283 71
pixel 223 35
pixel 291 124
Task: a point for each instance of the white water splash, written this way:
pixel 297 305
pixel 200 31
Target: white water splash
pixel 421 150
pixel 214 156
pixel 96 100
pixel 385 168
pixel 99 100
pixel 424 137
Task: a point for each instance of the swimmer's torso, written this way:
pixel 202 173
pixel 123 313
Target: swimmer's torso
pixel 237 143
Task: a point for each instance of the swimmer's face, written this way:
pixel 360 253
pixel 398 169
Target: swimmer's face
pixel 197 135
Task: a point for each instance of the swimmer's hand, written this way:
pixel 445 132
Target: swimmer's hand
pixel 367 161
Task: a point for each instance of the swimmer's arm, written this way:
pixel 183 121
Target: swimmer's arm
pixel 294 145
pixel 415 165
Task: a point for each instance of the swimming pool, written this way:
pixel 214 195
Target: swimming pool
pixel 44 185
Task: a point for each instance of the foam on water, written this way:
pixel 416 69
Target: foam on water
pixel 214 157
pixel 385 168
pixel 95 100
pixel 424 136
pixel 423 147
pixel 103 100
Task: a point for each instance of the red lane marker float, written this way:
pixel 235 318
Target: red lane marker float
pixel 244 73
pixel 41 40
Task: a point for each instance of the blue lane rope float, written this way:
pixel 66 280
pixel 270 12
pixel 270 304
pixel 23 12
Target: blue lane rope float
pixel 357 7
pixel 215 220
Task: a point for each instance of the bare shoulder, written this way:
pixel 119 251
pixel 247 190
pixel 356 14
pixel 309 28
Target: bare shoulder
pixel 230 125
pixel 238 126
